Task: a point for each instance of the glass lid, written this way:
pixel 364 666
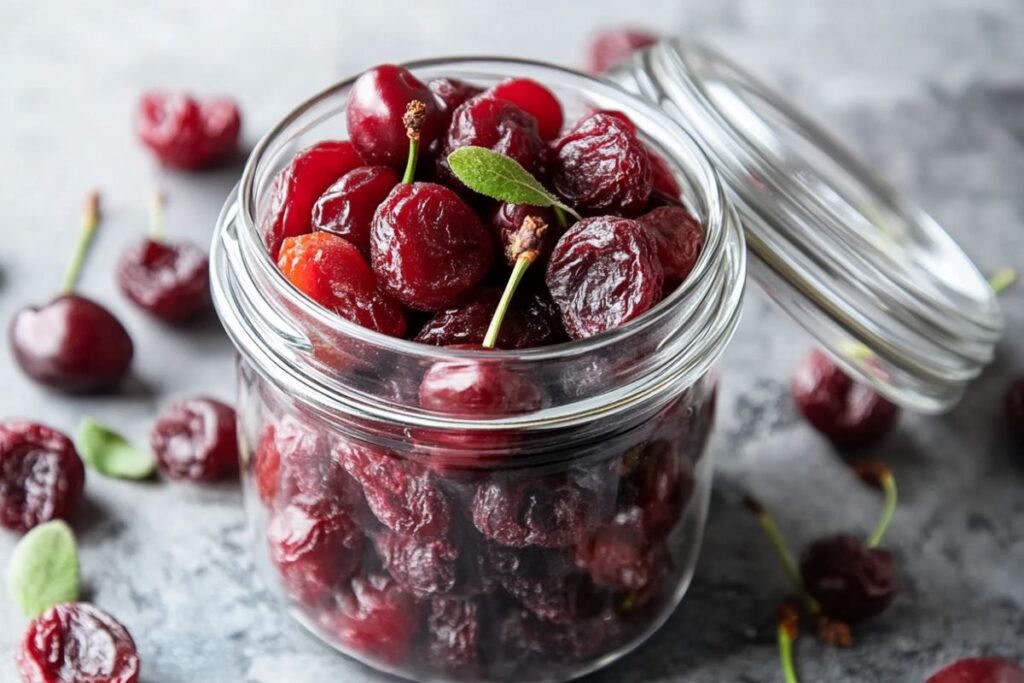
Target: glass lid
pixel 875 279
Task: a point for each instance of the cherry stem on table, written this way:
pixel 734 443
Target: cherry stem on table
pixel 415 113
pixel 888 484
pixel 90 221
pixel 524 247
pixel 788 632
pixel 156 217
pixel 778 543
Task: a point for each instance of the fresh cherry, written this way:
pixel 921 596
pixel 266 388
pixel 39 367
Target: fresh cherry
pixel 196 440
pixel 603 273
pixel 535 99
pixel 72 343
pixel 375 617
pixel 679 238
pixel 186 133
pixel 347 207
pixel 299 185
pixel 376 107
pixel 1015 408
pixel 531 321
pixel 170 281
pixel 41 475
pixel 850 414
pixel 77 643
pixel 980 670
pixel 611 48
pixel 850 580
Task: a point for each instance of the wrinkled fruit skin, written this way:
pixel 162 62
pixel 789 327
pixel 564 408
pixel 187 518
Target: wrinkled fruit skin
pixel 850 414
pixel 506 221
pixel 428 247
pixel 1015 408
pixel 679 238
pixel 41 475
pixel 422 568
pixel 376 105
pixel 72 343
pixel 532 320
pixel 603 273
pixel 601 166
pixel 169 281
pixel 375 617
pixel 185 133
pixel 611 48
pixel 294 458
pixel 534 99
pixel 298 186
pixel 980 670
pixel 77 643
pixel 534 638
pixel 620 555
pixel 196 440
pixel 550 512
pixel 347 207
pixel 851 581
pixel 332 272
pixel 450 93
pixel 543 581
pixel 453 634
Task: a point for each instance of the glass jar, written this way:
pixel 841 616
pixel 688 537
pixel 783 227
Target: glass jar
pixel 533 546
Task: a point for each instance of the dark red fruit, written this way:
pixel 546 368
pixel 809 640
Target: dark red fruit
pixel 429 249
pixel 498 125
pixel 297 187
pixel 41 475
pixel 603 273
pixel 535 99
pixel 423 568
pixel 980 670
pixel 185 133
pixel 543 581
pixel 663 179
pixel 376 105
pixel 195 440
pixel 851 581
pixel 611 48
pixel 453 634
pixel 528 636
pixel 620 555
pixel 654 480
pixel 532 320
pixel 401 493
pixel 332 272
pixel 601 166
pixel 507 220
pixel 1015 408
pixel 850 414
pixel 375 617
pixel 451 92
pixel 551 512
pixel 347 207
pixel 293 458
pixel 316 547
pixel 71 343
pixel 169 281
pixel 679 238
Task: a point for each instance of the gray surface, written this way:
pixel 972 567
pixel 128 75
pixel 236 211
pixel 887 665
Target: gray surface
pixel 931 95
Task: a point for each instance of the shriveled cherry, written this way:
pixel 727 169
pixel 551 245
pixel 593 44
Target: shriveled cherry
pixel 186 133
pixel 601 166
pixel 679 238
pixel 376 104
pixel 603 273
pixel 610 48
pixel 347 207
pixel 424 568
pixel 524 633
pixel 375 617
pixel 535 99
pixel 980 670
pixel 851 581
pixel 293 458
pixel 620 555
pixel 298 186
pixel 1015 408
pixel 168 280
pixel 429 249
pixel 551 512
pixel 451 92
pixel 41 475
pixel 654 480
pixel 544 581
pixel 332 272
pixel 531 321
pixel 195 439
pixel 664 180
pixel 77 643
pixel 850 414
pixel 453 634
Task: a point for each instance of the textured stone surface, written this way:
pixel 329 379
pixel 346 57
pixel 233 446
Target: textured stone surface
pixel 930 93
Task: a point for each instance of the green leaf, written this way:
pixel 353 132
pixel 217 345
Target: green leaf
pixel 107 452
pixel 44 568
pixel 501 177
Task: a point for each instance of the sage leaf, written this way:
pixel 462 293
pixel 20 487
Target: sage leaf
pixel 44 569
pixel 110 454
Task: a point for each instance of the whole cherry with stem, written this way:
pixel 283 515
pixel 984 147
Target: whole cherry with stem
pixel 523 250
pixel 72 343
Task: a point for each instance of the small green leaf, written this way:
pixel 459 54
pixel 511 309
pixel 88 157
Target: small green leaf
pixel 501 177
pixel 44 569
pixel 107 452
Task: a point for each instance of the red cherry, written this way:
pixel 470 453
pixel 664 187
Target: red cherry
pixel 611 48
pixel 980 670
pixel 680 240
pixel 851 581
pixel 531 321
pixel 185 133
pixel 535 99
pixel 347 207
pixel 41 475
pixel 195 439
pixel 169 281
pixel 451 92
pixel 619 555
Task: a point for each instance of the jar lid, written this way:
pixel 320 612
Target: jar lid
pixel 875 279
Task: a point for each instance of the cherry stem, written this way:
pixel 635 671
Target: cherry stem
pixel 786 636
pixel 1001 279
pixel 156 217
pixel 563 220
pixel 90 221
pixel 415 113
pixel 524 247
pixel 888 484
pixel 771 530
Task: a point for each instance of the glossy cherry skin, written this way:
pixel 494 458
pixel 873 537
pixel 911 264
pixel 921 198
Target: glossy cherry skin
pixel 535 99
pixel 299 185
pixel 532 320
pixel 169 281
pixel 611 48
pixel 186 133
pixel 41 475
pixel 72 343
pixel 429 249
pixel 980 670
pixel 376 104
pixel 195 439
pixel 851 581
pixel 77 643
pixel 346 209
pixel 1015 408
pixel 665 184
pixel 680 240
pixel 850 414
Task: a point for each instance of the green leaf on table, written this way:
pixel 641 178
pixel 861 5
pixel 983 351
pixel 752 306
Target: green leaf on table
pixel 110 454
pixel 44 569
pixel 501 177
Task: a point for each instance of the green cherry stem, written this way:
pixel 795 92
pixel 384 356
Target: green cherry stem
pixel 879 476
pixel 524 247
pixel 771 530
pixel 415 113
pixel 787 634
pixel 1001 279
pixel 563 220
pixel 90 221
pixel 156 217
